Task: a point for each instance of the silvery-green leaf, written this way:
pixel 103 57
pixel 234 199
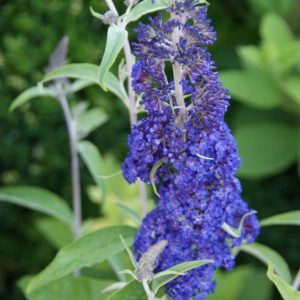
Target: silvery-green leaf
pixel 154 169
pixel 160 280
pixel 115 287
pixel 289 218
pixel 143 8
pixel 286 291
pixel 80 84
pixel 77 71
pixel 116 38
pixel 96 15
pixel 128 250
pixel 133 290
pixel 29 94
pixel 89 73
pixel 236 232
pixel 268 255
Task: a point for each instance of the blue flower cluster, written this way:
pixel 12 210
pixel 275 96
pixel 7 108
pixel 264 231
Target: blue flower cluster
pixel 185 133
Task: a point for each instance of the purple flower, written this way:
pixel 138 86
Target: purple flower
pixel 185 129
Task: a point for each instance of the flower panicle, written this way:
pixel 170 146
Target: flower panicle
pixel 185 129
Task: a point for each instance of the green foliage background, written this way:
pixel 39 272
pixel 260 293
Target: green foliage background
pixel 34 146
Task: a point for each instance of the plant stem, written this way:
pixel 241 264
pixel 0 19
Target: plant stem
pixel 131 100
pixel 131 93
pixel 75 172
pixel 296 284
pixel 149 293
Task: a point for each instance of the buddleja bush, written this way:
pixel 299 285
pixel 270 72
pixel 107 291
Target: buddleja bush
pixel 182 148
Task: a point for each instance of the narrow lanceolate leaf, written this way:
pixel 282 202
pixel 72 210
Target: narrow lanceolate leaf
pixel 143 8
pixel 84 252
pixel 289 218
pixel 96 15
pixel 77 71
pixel 286 291
pixel 236 232
pixel 116 38
pixel 29 94
pixel 90 74
pixel 157 165
pixel 68 288
pixel 133 291
pixel 128 250
pixel 37 199
pixel 89 121
pixel 268 255
pixel 80 84
pixel 162 278
pixel 114 85
pixel 92 158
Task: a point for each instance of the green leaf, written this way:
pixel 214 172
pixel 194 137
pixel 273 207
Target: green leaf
pixel 236 232
pixel 252 56
pixel 68 288
pixel 129 252
pixel 96 15
pixel 286 291
pixel 252 87
pixel 37 199
pixel 29 94
pixel 93 160
pixel 143 8
pixel 80 84
pixel 116 38
pixel 56 232
pixel 289 218
pixel 133 291
pixel 275 31
pixel 89 73
pixel 266 255
pixel 90 120
pixel 292 87
pixel 154 169
pixel 162 278
pixel 114 85
pixel 78 71
pixel 84 252
pixel 266 148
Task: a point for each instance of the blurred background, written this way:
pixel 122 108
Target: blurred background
pixel 258 55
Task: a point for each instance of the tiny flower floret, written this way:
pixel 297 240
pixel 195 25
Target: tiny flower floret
pixel 185 130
